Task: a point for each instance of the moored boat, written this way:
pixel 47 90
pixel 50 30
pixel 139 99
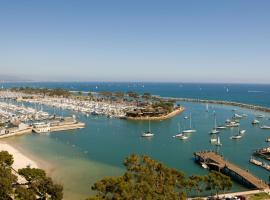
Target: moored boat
pixel 148 133
pixel 218 142
pixel 190 130
pixel 265 127
pixel 255 122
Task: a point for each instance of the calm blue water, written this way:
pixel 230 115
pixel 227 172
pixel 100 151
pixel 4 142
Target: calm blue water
pixel 84 156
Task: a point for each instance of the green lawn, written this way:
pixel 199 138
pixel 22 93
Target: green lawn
pixel 259 196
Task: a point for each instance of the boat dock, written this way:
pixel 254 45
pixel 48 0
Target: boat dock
pixel 263 153
pixel 216 162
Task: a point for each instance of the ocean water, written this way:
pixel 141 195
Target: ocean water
pixel 81 157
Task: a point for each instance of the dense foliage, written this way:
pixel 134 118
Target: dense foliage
pixel 146 179
pixel 38 185
pixel 43 91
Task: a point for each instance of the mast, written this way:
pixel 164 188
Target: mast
pixel 215 121
pixel 149 128
pixel 190 121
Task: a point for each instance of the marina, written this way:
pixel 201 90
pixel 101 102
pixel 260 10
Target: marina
pixel 263 153
pixel 101 104
pixel 17 120
pixel 260 163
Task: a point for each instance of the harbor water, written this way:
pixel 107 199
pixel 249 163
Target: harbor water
pixel 81 157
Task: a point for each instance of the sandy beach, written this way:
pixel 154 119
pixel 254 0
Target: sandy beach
pixel 20 160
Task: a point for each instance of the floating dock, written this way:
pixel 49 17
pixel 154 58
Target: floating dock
pixel 216 162
pixel 263 153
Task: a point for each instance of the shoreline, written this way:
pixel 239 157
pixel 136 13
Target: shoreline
pixel 23 158
pixel 20 159
pixel 160 118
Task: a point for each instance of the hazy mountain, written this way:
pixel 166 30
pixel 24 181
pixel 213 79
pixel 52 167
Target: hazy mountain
pixel 11 78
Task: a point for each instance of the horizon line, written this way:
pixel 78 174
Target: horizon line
pixel 144 82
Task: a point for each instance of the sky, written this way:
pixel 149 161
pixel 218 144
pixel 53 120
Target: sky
pixel 142 40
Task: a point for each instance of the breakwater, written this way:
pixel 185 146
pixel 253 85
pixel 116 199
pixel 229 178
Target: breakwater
pixel 227 103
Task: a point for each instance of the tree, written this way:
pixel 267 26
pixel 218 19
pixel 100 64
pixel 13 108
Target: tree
pixel 6 159
pixel 32 174
pixel 133 95
pixel 7 179
pixel 90 94
pixel 41 184
pixel 196 183
pixel 106 94
pixel 23 193
pixel 119 95
pixel 146 96
pixel 218 182
pixel 145 178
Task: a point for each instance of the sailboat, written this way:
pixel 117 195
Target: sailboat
pixel 207 108
pixel 213 139
pixel 148 133
pixel 265 127
pixel 255 122
pixel 190 130
pixel 214 130
pixel 242 132
pixel 218 142
pixel 181 136
pixel 239 135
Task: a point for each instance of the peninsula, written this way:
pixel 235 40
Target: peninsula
pixel 129 105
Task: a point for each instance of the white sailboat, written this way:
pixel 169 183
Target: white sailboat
pixel 255 122
pixel 218 142
pixel 239 135
pixel 242 132
pixel 207 108
pixel 181 136
pixel 190 130
pixel 260 116
pixel 213 139
pixel 148 133
pixel 265 127
pixel 236 137
pixel 221 127
pixel 214 130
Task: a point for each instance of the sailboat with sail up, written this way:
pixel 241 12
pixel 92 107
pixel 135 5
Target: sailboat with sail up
pixel 190 130
pixel 214 130
pixel 218 142
pixel 148 133
pixel 180 135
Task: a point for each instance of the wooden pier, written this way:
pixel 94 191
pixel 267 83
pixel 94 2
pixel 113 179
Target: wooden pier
pixel 216 162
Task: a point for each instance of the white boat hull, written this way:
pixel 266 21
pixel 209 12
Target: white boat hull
pixel 189 131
